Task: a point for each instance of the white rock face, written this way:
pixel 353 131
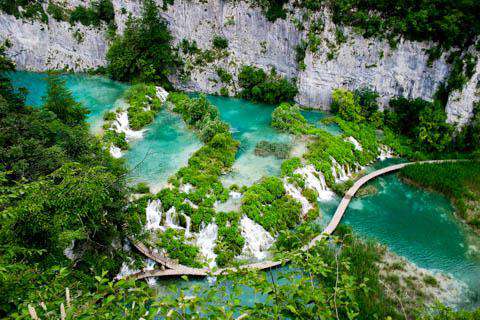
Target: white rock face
pixel 460 103
pixel 40 47
pixel 253 40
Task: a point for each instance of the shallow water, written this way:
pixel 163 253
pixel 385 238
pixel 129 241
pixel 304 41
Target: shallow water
pixel 250 124
pixel 166 147
pixel 96 93
pixel 418 225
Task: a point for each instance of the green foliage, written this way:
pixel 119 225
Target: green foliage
pixel 144 51
pixel 224 75
pixel 59 189
pixel 267 204
pixel 220 42
pixel 460 181
pixel 143 105
pixel 423 121
pixel 173 241
pixel 98 12
pixel 259 87
pixel 274 9
pixel 141 187
pixel 343 103
pixel 60 101
pixel 229 242
pixel 450 24
pixel 287 118
pixel 217 155
pixel 277 149
pixel 56 11
pixel 117 139
pixel 290 165
pixel 24 9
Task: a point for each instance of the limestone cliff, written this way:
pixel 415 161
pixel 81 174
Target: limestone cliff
pixel 254 40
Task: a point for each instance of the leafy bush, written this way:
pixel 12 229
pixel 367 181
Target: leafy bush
pixel 173 241
pixel 143 105
pixel 101 10
pixel 144 51
pixel 229 242
pixel 259 87
pixel 287 118
pixel 224 75
pixel 267 204
pixel 220 42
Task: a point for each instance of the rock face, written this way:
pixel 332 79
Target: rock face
pixel 253 40
pixel 39 47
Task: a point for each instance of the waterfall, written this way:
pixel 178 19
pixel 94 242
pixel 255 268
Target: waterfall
pixel 150 265
pixel 115 151
pixel 154 214
pixel 68 252
pixel 385 153
pixel 257 239
pixel 188 224
pixel 316 181
pixel 355 143
pixel 162 94
pixel 171 219
pixel 121 125
pixel 338 171
pixel 190 203
pixel 186 188
pixel 206 242
pixel 295 193
pixel 125 270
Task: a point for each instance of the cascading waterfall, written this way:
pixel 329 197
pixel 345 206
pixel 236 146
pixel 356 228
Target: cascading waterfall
pixel 115 151
pixel 338 171
pixel 188 224
pixel 385 153
pixel 121 124
pixel 68 252
pixel 355 143
pixel 295 193
pixel 257 239
pixel 154 215
pixel 316 181
pixel 206 242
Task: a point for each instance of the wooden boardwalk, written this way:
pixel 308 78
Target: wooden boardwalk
pixel 175 269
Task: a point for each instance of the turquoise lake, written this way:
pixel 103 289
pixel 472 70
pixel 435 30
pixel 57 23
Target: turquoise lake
pixel 414 223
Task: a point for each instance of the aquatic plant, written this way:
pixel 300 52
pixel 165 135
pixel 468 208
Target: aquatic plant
pixel 277 149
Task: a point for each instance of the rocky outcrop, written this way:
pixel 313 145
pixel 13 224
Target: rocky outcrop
pixel 253 40
pixel 57 45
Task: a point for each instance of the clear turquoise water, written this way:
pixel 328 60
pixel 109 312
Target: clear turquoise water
pixel 412 222
pixel 167 144
pixel 418 225
pixel 166 147
pixel 96 93
pixel 250 124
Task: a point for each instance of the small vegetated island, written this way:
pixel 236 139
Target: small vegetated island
pixel 71 222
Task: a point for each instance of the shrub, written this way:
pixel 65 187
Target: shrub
pixel 219 42
pixel 287 118
pixel 259 87
pixel 143 105
pixel 144 50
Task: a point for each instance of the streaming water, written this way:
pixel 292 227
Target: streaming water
pixel 414 223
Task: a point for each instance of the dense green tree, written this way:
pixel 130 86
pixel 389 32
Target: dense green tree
pixel 259 86
pixel 345 104
pixel 60 101
pixel 144 50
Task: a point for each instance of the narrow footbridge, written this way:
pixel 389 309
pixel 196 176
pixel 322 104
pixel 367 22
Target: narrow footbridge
pixel 170 267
